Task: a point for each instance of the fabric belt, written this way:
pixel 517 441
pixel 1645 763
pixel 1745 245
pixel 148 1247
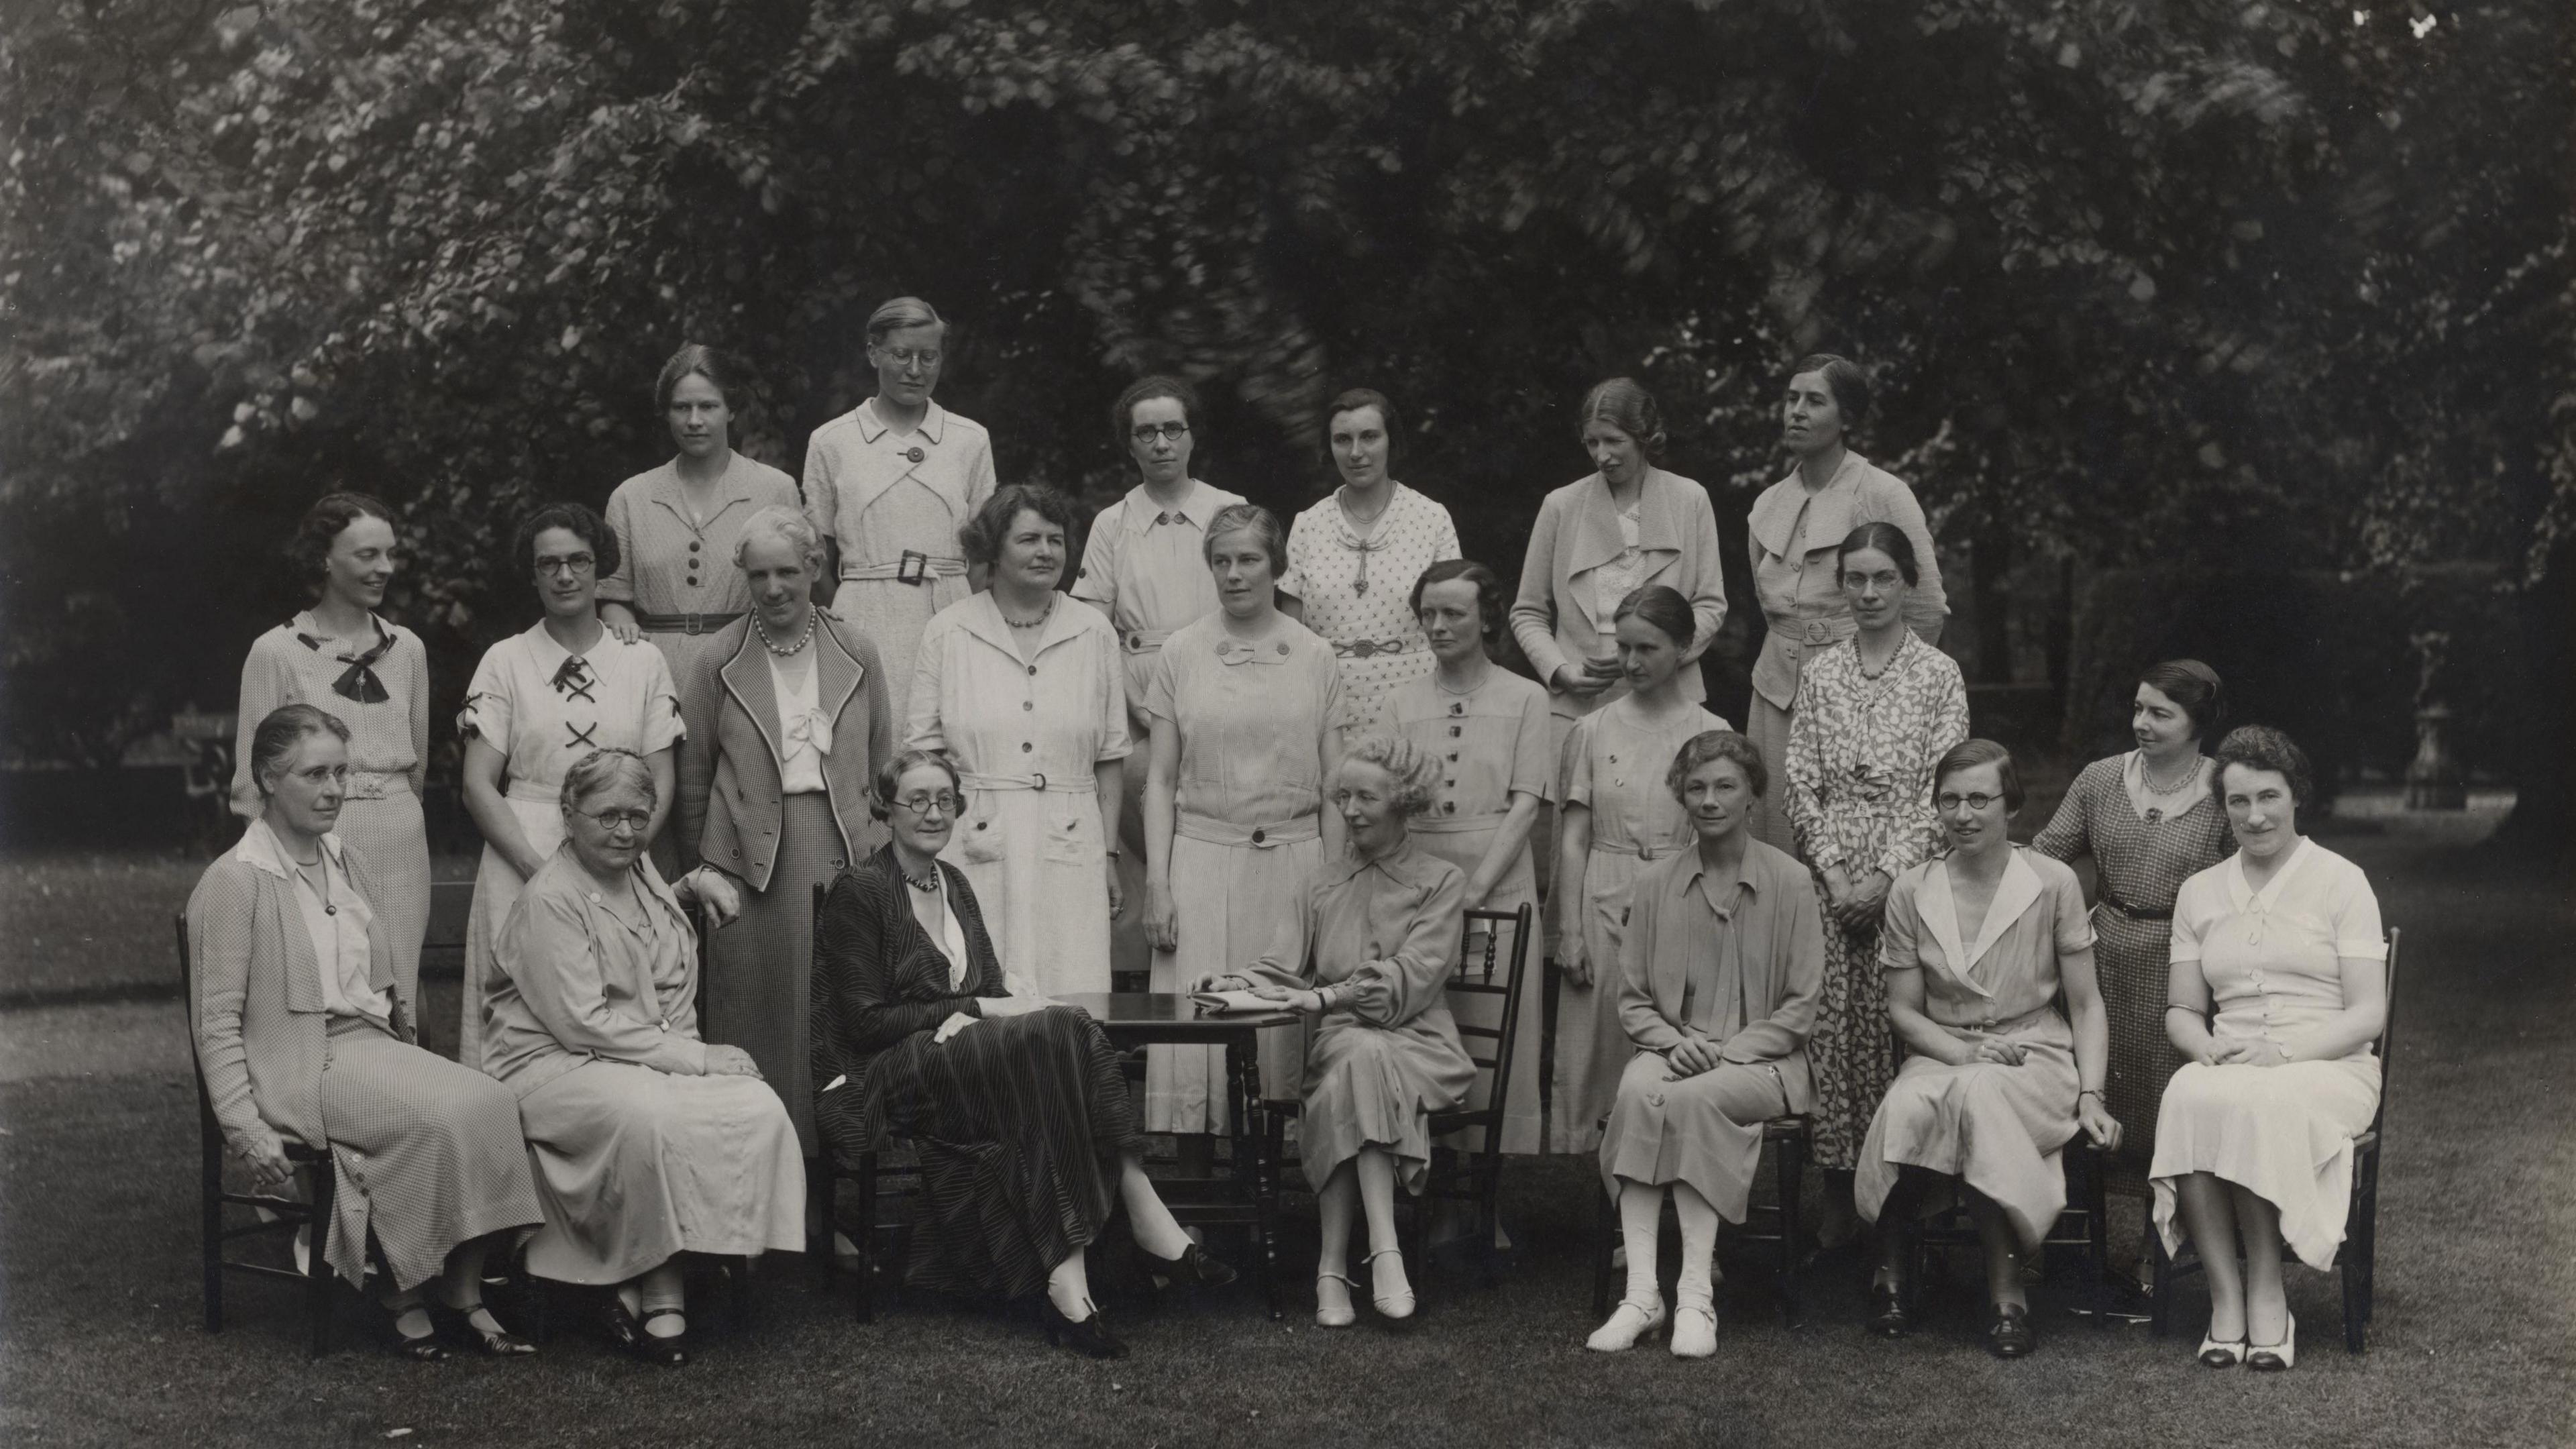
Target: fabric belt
pixel 1145 641
pixel 376 784
pixel 1371 648
pixel 2006 1026
pixel 942 568
pixel 2134 913
pixel 1814 633
pixel 1212 831
pixel 1647 853
pixel 1082 784
pixel 1456 824
pixel 683 623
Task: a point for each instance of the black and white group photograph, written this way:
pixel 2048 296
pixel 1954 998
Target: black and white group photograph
pixel 1148 723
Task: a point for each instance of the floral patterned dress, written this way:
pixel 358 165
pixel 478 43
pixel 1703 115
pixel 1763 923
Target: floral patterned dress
pixel 1861 752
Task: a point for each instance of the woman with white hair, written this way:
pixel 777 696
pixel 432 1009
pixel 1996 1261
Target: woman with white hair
pixel 788 722
pixel 1369 958
pixel 647 1140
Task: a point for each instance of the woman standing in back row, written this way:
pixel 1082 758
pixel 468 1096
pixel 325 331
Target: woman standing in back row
pixel 1794 530
pixel 888 484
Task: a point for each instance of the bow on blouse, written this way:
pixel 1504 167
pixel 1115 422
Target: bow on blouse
pixel 358 682
pixel 573 680
pixel 813 727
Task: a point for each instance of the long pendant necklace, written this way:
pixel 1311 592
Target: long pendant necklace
pixel 1352 538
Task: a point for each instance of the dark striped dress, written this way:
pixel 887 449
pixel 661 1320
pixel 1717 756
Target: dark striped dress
pixel 1019 1120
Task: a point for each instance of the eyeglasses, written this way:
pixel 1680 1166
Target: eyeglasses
pixel 922 805
pixel 1885 580
pixel 1973 802
pixel 611 820
pixel 926 357
pixel 1146 433
pixel 580 563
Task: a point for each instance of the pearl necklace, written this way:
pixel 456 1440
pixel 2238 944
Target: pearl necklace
pixel 802 640
pixel 2190 777
pixel 1043 614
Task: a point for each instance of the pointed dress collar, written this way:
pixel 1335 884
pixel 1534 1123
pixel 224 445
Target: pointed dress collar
pixel 2015 894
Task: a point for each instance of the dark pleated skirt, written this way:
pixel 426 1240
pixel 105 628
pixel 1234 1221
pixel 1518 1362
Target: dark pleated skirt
pixel 1020 1122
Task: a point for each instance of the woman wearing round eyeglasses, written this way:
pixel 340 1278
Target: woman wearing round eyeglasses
pixel 787 724
pixel 540 701
pixel 1018 1104
pixel 648 1141
pixel 1352 558
pixel 1874 715
pixel 889 483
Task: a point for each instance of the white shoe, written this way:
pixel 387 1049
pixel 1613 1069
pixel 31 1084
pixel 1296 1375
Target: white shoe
pixel 1333 1301
pixel 1395 1302
pixel 1629 1322
pixel 1695 1331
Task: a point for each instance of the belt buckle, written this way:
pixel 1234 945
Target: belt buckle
pixel 1037 780
pixel 1364 649
pixel 1816 632
pixel 913 568
pixel 689 623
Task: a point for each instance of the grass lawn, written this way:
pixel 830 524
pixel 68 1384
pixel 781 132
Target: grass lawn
pixel 2475 1340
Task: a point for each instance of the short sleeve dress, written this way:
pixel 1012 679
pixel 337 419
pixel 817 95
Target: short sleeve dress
pixel 1614 767
pixel 544 707
pixel 1495 741
pixel 1997 1128
pixel 1357 586
pixel 2273 962
pixel 381 692
pixel 675 569
pixel 893 502
pixel 1246 831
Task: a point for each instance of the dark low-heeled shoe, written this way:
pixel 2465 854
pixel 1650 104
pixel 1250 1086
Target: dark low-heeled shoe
pixel 1887 1315
pixel 427 1348
pixel 1089 1336
pixel 628 1333
pixel 2012 1334
pixel 1195 1266
pixel 458 1326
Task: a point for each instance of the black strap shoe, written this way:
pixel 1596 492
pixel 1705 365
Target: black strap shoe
pixel 2012 1334
pixel 1089 1336
pixel 1196 1267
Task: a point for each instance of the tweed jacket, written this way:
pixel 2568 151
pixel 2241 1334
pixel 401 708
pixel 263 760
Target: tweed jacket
pixel 731 806
pixel 878 979
pixel 1577 531
pixel 255 998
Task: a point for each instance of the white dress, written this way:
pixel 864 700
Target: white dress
pixel 1358 591
pixel 531 702
pixel 1026 732
pixel 2271 958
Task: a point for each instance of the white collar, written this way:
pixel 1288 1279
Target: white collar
pixel 2015 894
pixel 260 848
pixel 2241 892
pixel 1199 506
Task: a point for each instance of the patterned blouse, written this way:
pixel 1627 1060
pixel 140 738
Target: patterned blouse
pixel 1358 592
pixel 1861 753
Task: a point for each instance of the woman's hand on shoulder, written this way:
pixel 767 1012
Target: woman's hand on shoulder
pixel 620 621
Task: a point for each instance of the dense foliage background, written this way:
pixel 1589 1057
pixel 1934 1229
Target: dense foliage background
pixel 2244 292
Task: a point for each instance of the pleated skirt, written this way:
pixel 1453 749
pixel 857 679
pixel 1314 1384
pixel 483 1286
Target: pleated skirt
pixel 1998 1129
pixel 392 837
pixel 634 1165
pixel 1373 1086
pixel 428 1154
pixel 2282 1133
pixel 1231 901
pixel 1704 1131
pixel 760 976
pixel 1020 1122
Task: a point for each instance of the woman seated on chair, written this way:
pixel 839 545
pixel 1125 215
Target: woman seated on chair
pixel 1017 1103
pixel 1978 945
pixel 1720 972
pixel 648 1142
pixel 1369 956
pixel 302 1034
pixel 2254 1138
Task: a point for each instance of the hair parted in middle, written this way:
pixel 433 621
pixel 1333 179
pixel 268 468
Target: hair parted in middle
pixel 1415 770
pixel 730 375
pixel 1888 539
pixel 1624 403
pixel 280 732
pixel 1352 399
pixel 1663 606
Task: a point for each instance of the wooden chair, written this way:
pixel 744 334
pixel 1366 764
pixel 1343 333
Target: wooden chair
pixel 2357 1261
pixel 1470 1176
pixel 286 1214
pixel 881 1213
pixel 1790 1139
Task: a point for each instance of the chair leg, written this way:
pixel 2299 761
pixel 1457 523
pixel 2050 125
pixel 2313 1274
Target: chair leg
pixel 1792 1169
pixel 317 1277
pixel 1605 1229
pixel 210 1226
pixel 2160 1305
pixel 742 1293
pixel 866 1238
pixel 819 1187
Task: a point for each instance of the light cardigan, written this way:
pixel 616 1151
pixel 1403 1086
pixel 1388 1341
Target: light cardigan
pixel 1779 949
pixel 255 997
pixel 1578 531
pixel 1801 597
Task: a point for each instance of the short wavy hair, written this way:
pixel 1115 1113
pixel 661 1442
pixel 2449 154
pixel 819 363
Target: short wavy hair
pixel 2261 747
pixel 1122 413
pixel 1969 754
pixel 889 778
pixel 982 536
pixel 1709 745
pixel 1492 606
pixel 278 735
pixel 1256 520
pixel 1847 380
pixel 1351 400
pixel 1415 770
pixel 574 518
pixel 788 525
pixel 603 768
pixel 322 525
pixel 1624 403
